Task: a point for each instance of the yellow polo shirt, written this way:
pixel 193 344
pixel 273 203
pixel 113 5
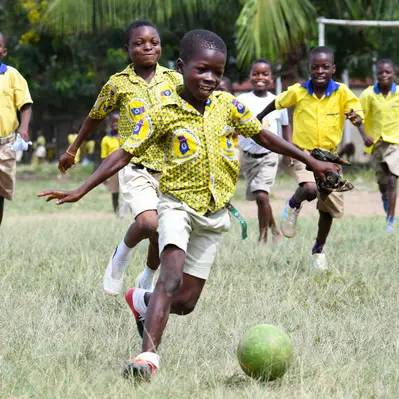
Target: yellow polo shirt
pixel 109 144
pixel 318 122
pixel 14 93
pixel 381 114
pixel 132 95
pixel 201 164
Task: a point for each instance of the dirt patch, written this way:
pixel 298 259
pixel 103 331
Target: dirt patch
pixel 357 203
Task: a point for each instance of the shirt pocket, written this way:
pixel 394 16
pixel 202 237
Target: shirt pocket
pixel 332 121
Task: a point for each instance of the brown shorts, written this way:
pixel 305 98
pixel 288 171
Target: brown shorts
pixel 386 160
pixel 332 203
pixel 7 171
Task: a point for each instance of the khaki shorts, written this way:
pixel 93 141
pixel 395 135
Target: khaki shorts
pixel 332 204
pixel 260 173
pixel 386 160
pixel 139 189
pixel 8 166
pixel 112 184
pixel 197 235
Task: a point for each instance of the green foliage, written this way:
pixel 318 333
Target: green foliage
pixel 269 28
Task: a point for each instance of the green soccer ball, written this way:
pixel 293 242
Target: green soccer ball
pixel 265 352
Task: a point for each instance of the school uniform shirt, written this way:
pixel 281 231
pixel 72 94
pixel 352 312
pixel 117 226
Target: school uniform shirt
pixel 381 114
pixel 201 166
pixel 14 93
pixel 109 144
pixel 318 122
pixel 132 95
pixel 271 122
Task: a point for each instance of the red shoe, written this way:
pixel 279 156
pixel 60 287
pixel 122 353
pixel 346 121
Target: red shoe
pixel 143 367
pixel 137 316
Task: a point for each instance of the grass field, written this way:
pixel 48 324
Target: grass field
pixel 61 337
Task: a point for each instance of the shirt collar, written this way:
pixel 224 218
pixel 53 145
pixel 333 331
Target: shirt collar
pixel 187 106
pixel 377 90
pixel 3 68
pixel 332 86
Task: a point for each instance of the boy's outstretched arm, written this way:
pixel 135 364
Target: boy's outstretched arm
pixel 276 144
pixel 358 122
pixel 25 115
pixel 269 108
pixel 114 162
pixel 67 159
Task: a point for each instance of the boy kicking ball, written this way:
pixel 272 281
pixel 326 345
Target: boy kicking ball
pixel 320 107
pixel 197 183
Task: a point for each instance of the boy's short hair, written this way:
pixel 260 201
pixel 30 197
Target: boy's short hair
pixel 198 39
pixel 261 61
pixel 385 61
pixel 137 24
pixel 322 50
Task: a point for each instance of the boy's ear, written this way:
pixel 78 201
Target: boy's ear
pixel 179 65
pixel 334 68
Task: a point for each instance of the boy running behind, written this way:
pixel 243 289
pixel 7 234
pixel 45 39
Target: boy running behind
pixel 320 107
pixel 14 98
pixel 133 91
pixel 260 165
pixel 381 121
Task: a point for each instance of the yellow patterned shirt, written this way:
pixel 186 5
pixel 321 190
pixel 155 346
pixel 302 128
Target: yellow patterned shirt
pixel 132 95
pixel 201 165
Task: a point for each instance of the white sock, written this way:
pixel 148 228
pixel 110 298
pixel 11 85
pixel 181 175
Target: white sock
pixel 148 274
pixel 120 260
pixel 138 301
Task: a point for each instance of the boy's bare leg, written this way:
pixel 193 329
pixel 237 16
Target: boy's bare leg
pixel 1 208
pixel 174 292
pixel 264 213
pixel 325 223
pixel 115 202
pixel 391 195
pixel 384 196
pixel 305 192
pixel 145 226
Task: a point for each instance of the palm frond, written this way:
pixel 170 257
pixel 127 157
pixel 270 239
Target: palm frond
pixel 270 28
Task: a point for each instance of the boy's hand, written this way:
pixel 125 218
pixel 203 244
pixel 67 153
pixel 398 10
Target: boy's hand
pixel 354 117
pixel 61 196
pixel 368 141
pixel 321 168
pixel 66 161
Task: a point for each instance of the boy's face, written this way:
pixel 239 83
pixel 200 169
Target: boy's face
pixel 261 76
pixel 385 75
pixel 144 46
pixel 3 49
pixel 322 69
pixel 202 73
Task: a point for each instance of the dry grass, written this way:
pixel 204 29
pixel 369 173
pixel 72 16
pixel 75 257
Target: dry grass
pixel 62 338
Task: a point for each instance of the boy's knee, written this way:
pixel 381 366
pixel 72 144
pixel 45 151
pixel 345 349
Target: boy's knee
pixel 171 282
pixel 147 223
pixel 391 182
pixel 309 191
pixel 184 305
pixel 261 197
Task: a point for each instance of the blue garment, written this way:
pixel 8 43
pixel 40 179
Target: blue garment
pixel 332 86
pixel 3 68
pixel 377 89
